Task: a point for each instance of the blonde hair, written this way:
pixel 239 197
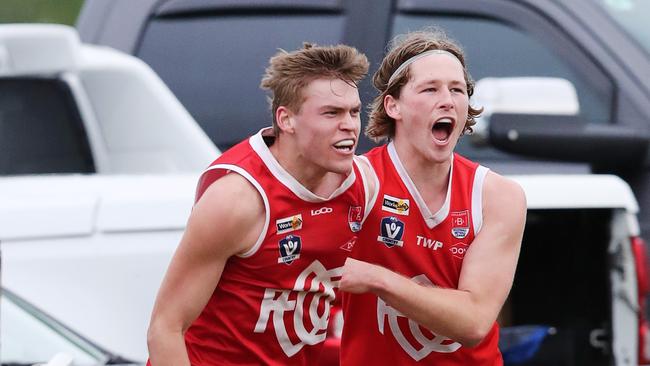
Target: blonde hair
pixel 289 73
pixel 402 48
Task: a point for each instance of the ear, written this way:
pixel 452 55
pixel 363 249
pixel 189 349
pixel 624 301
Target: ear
pixel 284 119
pixel 392 107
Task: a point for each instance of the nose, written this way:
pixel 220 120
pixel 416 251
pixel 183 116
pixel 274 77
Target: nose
pixel 348 122
pixel 446 102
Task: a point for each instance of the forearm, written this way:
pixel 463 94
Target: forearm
pixel 449 312
pixel 167 347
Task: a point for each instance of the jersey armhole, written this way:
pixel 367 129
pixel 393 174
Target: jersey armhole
pixel 477 198
pixel 260 190
pixel 370 201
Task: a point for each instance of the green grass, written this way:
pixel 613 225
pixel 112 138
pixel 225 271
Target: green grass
pixel 40 11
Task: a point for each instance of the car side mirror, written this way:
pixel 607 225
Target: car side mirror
pixel 568 138
pixel 539 117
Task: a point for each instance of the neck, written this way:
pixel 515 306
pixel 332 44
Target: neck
pixel 431 178
pixel 317 180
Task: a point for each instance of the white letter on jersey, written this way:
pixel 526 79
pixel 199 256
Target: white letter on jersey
pixel 428 345
pixel 270 304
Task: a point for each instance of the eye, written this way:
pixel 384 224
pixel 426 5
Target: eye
pixel 458 90
pixel 354 112
pixel 330 113
pixel 430 90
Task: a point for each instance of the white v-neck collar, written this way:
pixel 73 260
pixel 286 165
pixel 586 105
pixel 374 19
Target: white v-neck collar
pixel 430 219
pixel 259 146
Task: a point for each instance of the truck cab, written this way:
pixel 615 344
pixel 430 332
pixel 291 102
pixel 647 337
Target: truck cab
pixel 582 269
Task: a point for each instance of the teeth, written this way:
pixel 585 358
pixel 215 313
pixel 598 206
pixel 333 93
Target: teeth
pixel 344 143
pixel 444 120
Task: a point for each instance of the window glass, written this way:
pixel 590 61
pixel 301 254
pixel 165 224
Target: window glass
pixel 214 65
pixel 40 129
pixel 27 339
pixel 495 49
pixel 633 16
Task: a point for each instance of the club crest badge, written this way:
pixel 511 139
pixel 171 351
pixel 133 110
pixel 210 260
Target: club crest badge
pixel 355 215
pixel 289 249
pixel 460 224
pixel 392 231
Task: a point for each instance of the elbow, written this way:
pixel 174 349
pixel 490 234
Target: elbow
pixel 159 333
pixel 153 335
pixel 473 336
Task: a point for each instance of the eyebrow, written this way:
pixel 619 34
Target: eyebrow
pixel 338 108
pixel 438 81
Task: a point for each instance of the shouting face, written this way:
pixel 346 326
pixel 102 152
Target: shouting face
pixel 432 108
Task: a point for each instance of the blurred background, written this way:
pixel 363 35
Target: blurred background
pixel 106 124
pixel 40 11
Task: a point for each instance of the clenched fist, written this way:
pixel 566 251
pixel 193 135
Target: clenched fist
pixel 359 277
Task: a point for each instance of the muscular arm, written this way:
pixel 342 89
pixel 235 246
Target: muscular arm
pixel 465 314
pixel 215 231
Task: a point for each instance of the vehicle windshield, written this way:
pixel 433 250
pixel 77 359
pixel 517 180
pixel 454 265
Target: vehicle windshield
pixel 631 15
pixel 29 337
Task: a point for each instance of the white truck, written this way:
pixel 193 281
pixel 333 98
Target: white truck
pixel 98 163
pixel 91 249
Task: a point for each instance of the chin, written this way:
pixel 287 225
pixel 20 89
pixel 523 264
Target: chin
pixel 440 156
pixel 343 168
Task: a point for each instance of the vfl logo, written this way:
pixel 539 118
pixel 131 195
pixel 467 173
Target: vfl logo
pixel 392 231
pixel 458 250
pixel 395 205
pixel 354 218
pixel 425 345
pixel 289 224
pixel 460 224
pixel 289 249
pixel 321 211
pixel 319 283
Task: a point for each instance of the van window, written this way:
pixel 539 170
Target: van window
pixel 40 129
pixel 496 49
pixel 214 65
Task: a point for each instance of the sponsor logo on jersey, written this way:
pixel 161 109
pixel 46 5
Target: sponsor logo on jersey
pixel 460 224
pixel 395 205
pixel 308 305
pixel 458 250
pixel 392 231
pixel 418 345
pixel 289 249
pixel 289 224
pixel 321 211
pixel 429 243
pixel 355 216
pixel 349 244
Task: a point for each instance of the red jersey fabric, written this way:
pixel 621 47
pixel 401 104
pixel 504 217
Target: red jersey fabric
pixel 403 235
pixel 271 305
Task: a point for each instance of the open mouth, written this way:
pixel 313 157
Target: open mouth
pixel 346 145
pixel 442 129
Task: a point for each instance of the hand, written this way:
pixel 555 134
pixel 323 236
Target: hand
pixel 358 277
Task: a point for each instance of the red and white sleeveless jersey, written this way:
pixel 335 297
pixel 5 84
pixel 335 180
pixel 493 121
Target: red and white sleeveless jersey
pixel 402 234
pixel 272 303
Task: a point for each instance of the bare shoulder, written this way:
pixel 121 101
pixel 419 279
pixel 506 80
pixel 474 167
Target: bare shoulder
pixel 230 212
pixel 503 194
pixel 230 191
